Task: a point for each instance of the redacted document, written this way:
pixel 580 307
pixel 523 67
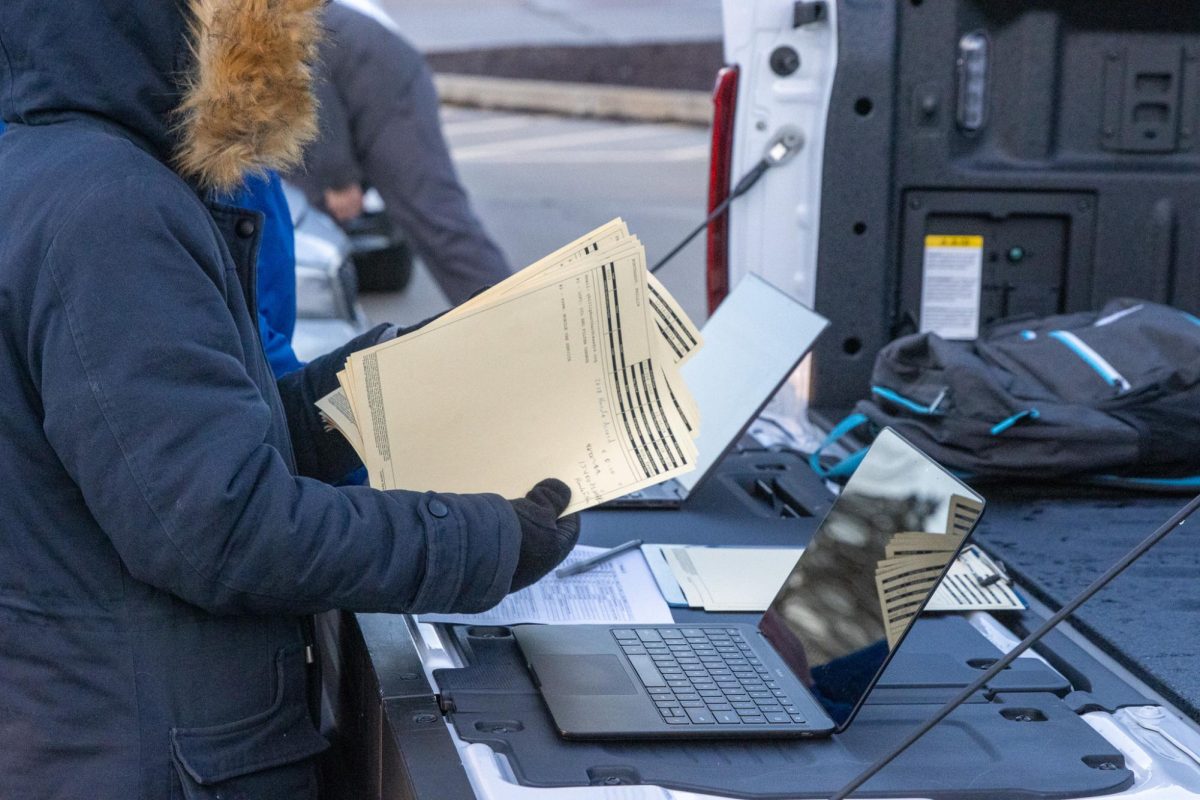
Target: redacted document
pixel 566 376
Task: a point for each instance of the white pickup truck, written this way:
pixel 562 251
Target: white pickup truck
pixel 1025 124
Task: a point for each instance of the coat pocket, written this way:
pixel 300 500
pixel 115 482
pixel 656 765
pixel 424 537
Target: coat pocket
pixel 267 756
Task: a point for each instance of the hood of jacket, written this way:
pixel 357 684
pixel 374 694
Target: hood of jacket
pixel 216 88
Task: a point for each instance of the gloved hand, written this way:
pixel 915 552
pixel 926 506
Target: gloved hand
pixel 396 331
pixel 545 539
pixel 390 331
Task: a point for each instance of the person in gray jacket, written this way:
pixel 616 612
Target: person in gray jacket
pixel 379 128
pixel 166 525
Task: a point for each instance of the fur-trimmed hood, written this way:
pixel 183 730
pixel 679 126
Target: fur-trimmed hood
pixel 217 88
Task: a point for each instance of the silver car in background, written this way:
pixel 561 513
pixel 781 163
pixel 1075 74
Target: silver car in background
pixel 328 313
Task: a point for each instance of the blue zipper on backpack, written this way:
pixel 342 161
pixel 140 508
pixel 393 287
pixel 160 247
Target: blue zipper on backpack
pixel 1093 359
pixel 1003 425
pixel 904 402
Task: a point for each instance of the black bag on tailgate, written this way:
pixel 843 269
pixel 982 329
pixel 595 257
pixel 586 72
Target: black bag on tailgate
pixel 1113 396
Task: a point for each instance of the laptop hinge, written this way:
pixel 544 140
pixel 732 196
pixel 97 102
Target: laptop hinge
pixel 445 703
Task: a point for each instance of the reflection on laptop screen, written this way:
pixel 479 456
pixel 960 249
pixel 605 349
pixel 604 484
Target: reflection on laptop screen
pixel 872 564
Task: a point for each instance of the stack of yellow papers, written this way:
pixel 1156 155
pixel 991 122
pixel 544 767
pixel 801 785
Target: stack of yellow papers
pixel 567 369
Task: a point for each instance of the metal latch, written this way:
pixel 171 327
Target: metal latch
pixel 1146 108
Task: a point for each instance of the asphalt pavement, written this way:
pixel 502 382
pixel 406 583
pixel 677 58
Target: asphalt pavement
pixel 538 182
pixel 472 24
pixel 661 44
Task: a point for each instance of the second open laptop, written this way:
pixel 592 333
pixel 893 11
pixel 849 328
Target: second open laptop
pixel 810 662
pixel 752 343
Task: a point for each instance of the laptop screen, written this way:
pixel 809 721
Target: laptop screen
pixel 871 565
pixel 752 343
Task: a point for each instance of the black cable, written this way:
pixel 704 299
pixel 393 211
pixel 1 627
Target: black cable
pixel 743 186
pixel 1133 555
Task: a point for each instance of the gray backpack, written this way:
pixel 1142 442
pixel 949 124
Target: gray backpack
pixel 1112 396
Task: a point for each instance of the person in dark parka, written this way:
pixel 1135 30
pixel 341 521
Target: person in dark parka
pixel 164 528
pixel 379 127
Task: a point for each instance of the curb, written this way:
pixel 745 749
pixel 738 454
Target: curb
pixel 576 99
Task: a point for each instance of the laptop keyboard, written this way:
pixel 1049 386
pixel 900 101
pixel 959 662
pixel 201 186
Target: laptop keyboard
pixel 706 676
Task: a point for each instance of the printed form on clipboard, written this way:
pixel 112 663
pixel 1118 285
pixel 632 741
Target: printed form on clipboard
pixel 620 591
pixel 746 578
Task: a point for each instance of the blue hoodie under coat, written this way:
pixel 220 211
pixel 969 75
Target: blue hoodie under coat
pixel 276 270
pixel 165 525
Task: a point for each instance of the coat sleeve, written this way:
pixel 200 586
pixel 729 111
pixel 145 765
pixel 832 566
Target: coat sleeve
pixel 391 99
pixel 330 162
pixel 149 406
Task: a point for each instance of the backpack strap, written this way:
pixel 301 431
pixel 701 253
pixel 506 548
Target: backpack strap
pixel 933 409
pixel 847 465
pixel 1099 364
pixel 1004 424
pixel 1184 484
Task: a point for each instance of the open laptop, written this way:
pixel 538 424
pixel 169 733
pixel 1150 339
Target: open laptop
pixel 752 343
pixel 808 665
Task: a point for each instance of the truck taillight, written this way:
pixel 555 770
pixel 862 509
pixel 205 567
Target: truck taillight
pixel 720 163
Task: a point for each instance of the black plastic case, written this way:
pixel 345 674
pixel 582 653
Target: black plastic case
pixel 1023 742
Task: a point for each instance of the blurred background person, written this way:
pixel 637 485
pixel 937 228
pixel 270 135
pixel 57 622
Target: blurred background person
pixel 379 128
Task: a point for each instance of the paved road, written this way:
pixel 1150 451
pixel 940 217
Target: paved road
pixel 470 24
pixel 539 181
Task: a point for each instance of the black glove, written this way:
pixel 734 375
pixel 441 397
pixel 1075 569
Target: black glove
pixel 390 332
pixel 545 539
pixel 396 331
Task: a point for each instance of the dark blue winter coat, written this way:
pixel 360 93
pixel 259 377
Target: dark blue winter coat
pixel 163 523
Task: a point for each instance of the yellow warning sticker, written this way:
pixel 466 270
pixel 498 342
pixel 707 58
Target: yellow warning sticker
pixel 953 241
pixel 952 286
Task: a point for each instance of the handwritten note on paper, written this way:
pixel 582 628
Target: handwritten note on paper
pixel 619 591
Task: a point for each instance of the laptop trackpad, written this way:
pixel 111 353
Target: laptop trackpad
pixel 589 674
